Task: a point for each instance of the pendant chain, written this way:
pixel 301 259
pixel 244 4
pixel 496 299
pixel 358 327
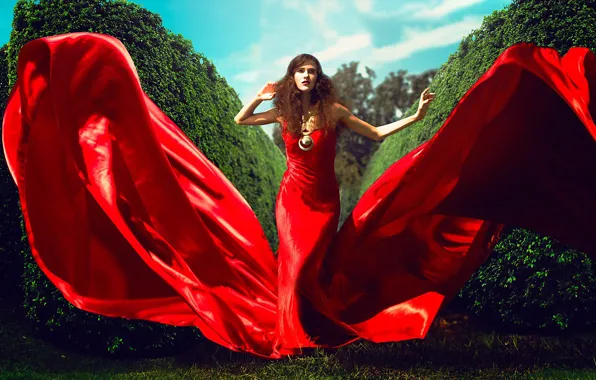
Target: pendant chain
pixel 306 142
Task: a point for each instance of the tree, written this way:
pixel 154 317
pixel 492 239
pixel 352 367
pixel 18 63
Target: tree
pixel 278 139
pixel 356 92
pixel 380 105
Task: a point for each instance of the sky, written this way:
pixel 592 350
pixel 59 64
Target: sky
pixel 252 41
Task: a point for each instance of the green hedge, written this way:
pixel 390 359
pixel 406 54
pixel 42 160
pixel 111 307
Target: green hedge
pixel 187 87
pixel 11 235
pixel 556 24
pixel 533 282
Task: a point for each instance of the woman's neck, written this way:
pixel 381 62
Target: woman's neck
pixel 305 98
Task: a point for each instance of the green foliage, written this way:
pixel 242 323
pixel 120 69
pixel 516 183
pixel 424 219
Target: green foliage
pixel 356 92
pixel 535 282
pixel 377 105
pixel 11 241
pixel 187 87
pixel 556 24
pixel 68 327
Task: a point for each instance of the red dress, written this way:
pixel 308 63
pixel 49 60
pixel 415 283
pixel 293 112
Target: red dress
pixel 128 218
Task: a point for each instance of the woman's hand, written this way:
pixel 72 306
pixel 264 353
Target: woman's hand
pixel 425 98
pixel 267 92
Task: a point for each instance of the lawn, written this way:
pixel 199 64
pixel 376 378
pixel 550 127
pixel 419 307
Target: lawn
pixel 455 350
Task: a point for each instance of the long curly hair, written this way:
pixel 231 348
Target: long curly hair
pixel 289 102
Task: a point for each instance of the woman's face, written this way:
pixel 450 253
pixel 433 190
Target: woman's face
pixel 305 76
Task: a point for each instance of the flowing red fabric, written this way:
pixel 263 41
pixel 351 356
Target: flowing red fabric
pixel 129 219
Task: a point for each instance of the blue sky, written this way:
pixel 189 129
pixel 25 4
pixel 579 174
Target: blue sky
pixel 252 41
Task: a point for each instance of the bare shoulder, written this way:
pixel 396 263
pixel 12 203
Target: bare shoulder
pixel 340 112
pixel 277 116
pixel 273 113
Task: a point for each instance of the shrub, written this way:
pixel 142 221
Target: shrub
pixel 533 282
pixel 11 235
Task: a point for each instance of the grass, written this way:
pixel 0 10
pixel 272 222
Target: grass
pixel 456 350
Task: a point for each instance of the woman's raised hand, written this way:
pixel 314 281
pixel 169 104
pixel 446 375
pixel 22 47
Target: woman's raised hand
pixel 267 92
pixel 425 98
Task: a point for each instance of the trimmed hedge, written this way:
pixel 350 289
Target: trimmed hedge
pixel 557 24
pixel 534 282
pixel 11 235
pixel 187 87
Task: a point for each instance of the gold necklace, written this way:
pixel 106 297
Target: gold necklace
pixel 306 142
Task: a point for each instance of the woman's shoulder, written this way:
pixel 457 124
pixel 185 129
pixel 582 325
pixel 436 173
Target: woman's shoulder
pixel 339 111
pixel 274 112
pixel 338 107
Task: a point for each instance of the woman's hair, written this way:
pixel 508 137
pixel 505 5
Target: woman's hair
pixel 288 101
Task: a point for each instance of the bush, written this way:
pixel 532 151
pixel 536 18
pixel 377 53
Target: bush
pixel 187 87
pixel 11 235
pixel 557 24
pixel 60 322
pixel 535 282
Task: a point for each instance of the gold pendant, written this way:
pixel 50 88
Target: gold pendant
pixel 306 143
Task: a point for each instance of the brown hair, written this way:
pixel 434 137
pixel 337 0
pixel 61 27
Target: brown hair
pixel 288 101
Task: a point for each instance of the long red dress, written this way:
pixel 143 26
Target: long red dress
pixel 129 219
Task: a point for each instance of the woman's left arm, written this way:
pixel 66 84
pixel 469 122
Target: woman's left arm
pixel 380 133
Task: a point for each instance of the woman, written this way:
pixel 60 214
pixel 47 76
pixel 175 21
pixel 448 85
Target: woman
pixel 307 207
pixel 306 91
pixel 128 218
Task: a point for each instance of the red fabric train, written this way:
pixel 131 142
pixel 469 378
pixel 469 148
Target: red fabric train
pixel 129 219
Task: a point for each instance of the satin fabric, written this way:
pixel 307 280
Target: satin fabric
pixel 129 219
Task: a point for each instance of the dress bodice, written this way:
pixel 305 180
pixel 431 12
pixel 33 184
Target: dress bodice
pixel 317 164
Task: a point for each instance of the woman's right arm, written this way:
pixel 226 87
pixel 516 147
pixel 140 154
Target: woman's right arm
pixel 246 116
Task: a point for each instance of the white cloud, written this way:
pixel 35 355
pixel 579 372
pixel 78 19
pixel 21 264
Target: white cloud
pixel 318 12
pixel 248 56
pixel 255 53
pixel 363 6
pixel 291 4
pixel 283 61
pixel 362 68
pixel 445 8
pixel 419 40
pixel 343 46
pixel 248 76
pixel 429 10
pixel 318 17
